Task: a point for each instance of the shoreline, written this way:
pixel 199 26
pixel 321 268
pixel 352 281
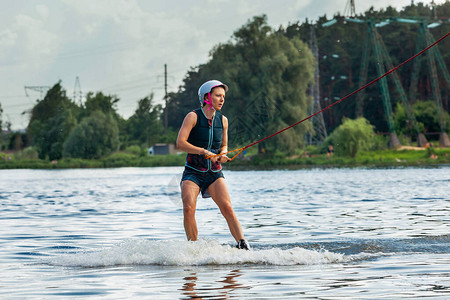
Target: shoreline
pixel 369 159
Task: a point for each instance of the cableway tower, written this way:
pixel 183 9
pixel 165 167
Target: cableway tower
pixel 374 45
pixel 319 133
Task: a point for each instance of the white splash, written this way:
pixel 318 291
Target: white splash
pixel 202 252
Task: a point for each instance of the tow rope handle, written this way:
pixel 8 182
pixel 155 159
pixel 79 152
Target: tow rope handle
pixel 220 154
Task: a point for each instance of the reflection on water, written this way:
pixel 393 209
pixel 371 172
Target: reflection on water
pixel 227 284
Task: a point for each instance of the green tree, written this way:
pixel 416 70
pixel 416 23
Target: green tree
pixel 107 104
pixel 352 136
pixel 144 126
pixel 403 125
pixel 426 114
pixel 341 47
pixel 51 121
pixel 268 76
pixel 96 136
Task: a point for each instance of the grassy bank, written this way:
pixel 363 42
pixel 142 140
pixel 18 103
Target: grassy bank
pixel 380 158
pixel 116 160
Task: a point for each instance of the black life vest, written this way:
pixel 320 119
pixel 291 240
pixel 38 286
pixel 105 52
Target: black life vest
pixel 206 134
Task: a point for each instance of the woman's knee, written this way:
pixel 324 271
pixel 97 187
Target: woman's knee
pixel 189 209
pixel 227 210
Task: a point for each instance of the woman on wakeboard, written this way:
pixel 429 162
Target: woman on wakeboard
pixel 203 135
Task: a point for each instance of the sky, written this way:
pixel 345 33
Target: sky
pixel 119 47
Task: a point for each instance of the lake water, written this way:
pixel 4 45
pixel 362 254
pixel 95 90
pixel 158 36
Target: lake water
pixel 321 233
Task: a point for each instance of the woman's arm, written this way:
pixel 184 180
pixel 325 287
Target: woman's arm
pixel 224 146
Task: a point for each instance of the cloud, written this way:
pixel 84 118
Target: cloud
pixel 27 37
pixel 121 46
pixel 8 39
pixel 42 11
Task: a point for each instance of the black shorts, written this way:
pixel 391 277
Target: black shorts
pixel 202 179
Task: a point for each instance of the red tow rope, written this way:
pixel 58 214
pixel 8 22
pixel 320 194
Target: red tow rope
pixel 333 104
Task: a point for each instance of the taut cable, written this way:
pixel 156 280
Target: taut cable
pixel 333 104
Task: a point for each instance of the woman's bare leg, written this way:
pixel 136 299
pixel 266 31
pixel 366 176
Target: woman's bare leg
pixel 219 192
pixel 189 194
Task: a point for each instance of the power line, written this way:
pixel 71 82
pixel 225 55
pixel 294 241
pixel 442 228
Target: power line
pixel 12 96
pixel 41 89
pixel 17 105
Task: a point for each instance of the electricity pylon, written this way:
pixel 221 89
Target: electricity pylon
pixel 77 93
pixel 319 133
pixel 434 60
pixel 41 89
pixel 373 42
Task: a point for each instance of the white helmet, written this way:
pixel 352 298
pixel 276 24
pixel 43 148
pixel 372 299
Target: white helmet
pixel 207 87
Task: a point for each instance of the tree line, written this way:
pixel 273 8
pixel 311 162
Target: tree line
pixel 59 127
pixel 340 58
pixel 269 72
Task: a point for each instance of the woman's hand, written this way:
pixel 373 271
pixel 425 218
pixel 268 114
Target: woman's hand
pixel 216 158
pixel 223 158
pixel 210 155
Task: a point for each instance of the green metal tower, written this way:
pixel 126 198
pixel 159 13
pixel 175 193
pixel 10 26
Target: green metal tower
pixel 373 42
pixel 433 56
pixel 421 139
pixel 320 132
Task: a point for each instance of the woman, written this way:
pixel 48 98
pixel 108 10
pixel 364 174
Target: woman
pixel 204 133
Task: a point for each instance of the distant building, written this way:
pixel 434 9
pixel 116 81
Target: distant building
pixel 161 149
